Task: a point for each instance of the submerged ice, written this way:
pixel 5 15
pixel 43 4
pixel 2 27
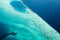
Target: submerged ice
pixel 16 18
pixel 18 6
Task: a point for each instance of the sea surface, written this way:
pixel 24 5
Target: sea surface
pixel 49 10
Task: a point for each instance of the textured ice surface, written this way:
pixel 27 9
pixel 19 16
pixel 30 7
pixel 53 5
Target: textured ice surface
pixel 20 25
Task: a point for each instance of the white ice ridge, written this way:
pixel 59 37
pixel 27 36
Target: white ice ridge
pixel 28 25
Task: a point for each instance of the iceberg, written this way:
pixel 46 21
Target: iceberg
pixel 18 22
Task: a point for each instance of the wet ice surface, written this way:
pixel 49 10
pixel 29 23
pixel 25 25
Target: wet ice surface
pixel 27 26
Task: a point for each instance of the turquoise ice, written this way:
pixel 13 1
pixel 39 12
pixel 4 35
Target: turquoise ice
pixel 16 17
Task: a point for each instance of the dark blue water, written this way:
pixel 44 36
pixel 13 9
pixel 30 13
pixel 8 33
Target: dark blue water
pixel 49 10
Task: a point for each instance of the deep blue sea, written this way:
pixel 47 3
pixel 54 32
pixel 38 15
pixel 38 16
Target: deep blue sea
pixel 49 10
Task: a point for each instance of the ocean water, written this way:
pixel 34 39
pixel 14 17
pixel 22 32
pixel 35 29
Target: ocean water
pixel 49 10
